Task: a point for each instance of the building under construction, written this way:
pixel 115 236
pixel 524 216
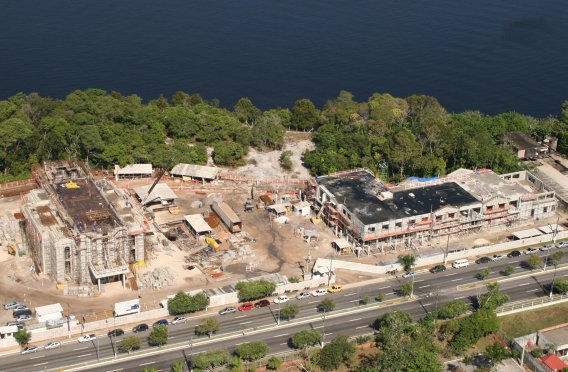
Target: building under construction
pixel 79 230
pixel 359 206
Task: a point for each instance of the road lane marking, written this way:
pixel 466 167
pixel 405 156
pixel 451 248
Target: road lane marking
pixel 81 348
pixel 354 320
pixel 418 281
pixel 240 343
pixel 361 327
pixel 284 343
pixel 116 370
pixel 250 321
pixel 145 364
pixel 534 290
pixel 172 337
pixel 240 316
pixel 282 335
pixel 349 294
pixel 354 301
pixel 384 287
pixel 459 298
pixel 427 304
pixel 424 286
pixel 312 302
pixel 456 280
pixel 37 357
pixel 84 355
pixel 452 274
pixel 522 285
pixel 40 364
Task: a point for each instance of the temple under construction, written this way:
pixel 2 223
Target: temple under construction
pixel 81 231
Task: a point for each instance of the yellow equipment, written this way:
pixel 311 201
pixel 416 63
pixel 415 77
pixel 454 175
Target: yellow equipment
pixel 72 185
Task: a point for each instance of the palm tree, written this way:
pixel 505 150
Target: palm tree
pixel 407 261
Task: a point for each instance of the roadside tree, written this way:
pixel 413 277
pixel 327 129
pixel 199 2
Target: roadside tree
pixel 407 261
pixel 561 286
pixel 452 309
pixel 177 366
pixel 158 336
pixel 22 337
pixel 326 305
pixel 289 311
pixel 252 350
pixel 339 350
pixel 493 298
pixel 307 337
pixel 274 363
pixel 255 289
pixel 496 353
pixel 508 270
pixel 183 303
pixel 207 326
pixel 405 289
pixel 210 359
pixel 128 344
pixel 534 261
pixel 483 274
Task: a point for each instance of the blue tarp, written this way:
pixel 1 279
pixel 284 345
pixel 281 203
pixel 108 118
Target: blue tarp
pixel 419 179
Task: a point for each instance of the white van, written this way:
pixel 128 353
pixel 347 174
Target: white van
pixel 460 263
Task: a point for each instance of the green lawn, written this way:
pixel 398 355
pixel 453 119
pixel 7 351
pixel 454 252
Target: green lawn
pixel 519 324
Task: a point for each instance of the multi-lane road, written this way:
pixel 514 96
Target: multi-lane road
pixel 349 318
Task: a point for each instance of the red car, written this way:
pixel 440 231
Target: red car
pixel 246 306
pixel 262 303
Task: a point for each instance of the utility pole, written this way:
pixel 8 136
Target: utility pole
pixel 330 267
pixel 278 319
pixel 552 284
pixel 323 330
pixel 446 252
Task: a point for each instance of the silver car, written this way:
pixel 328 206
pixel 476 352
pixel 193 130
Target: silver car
pixel 29 350
pixel 302 295
pixel 24 318
pixel 11 305
pixel 52 345
pixel 228 310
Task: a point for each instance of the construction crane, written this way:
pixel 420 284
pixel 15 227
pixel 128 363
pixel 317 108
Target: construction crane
pixel 160 175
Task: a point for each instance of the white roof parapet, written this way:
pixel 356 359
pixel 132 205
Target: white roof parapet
pixel 196 171
pixel 529 233
pixel 161 192
pixel 48 309
pixel 133 169
pixel 197 222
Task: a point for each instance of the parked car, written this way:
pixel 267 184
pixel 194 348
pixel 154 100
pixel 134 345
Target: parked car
pixel 52 345
pixel 496 257
pixel 335 288
pixel 115 332
pixel 161 322
pixel 179 320
pixel 438 268
pixel 15 323
pixel 87 338
pixel 24 318
pixel 302 295
pixel 546 247
pixel 29 350
pixel 562 245
pixel 16 313
pixel 262 303
pixel 228 310
pixel 19 307
pixel 530 250
pixel 246 306
pixel 409 274
pixel 483 260
pixel 140 328
pixel 11 305
pixel 281 299
pixel 319 292
pixel 514 254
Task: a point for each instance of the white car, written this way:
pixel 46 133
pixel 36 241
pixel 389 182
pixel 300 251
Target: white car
pixel 281 299
pixel 496 257
pixel 87 338
pixel 24 318
pixel 11 305
pixel 562 245
pixel 546 247
pixel 302 295
pixel 29 350
pixel 409 274
pixel 530 250
pixel 52 345
pixel 179 320
pixel 319 292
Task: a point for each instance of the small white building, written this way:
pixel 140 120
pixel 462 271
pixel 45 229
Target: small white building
pixel 301 208
pixel 161 194
pixel 195 172
pixel 49 312
pixel 279 209
pixel 133 171
pixel 197 225
pixel 8 331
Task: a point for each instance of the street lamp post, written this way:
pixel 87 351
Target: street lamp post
pixel 552 284
pixel 323 330
pixel 278 319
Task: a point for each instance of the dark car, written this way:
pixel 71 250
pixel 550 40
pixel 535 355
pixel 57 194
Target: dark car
pixel 262 303
pixel 483 260
pixel 17 313
pixel 514 254
pixel 140 328
pixel 116 332
pixel 438 268
pixel 161 322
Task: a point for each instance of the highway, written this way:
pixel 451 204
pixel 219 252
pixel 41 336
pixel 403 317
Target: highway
pixel 431 291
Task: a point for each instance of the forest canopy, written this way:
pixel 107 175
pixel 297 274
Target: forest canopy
pixel 407 136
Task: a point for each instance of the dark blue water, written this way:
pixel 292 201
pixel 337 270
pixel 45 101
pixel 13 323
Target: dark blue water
pixel 490 55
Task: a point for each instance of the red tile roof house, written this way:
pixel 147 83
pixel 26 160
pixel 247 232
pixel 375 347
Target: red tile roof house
pixel 553 363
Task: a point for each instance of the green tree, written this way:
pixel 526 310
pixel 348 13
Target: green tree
pixel 304 115
pixel 158 336
pixel 285 160
pixel 365 300
pixel 483 274
pixel 255 289
pixel 561 286
pixel 407 261
pixel 210 359
pixel 149 369
pixel 245 111
pixel 177 366
pixel 236 364
pixel 128 344
pixel 339 350
pixel 307 337
pixel 534 261
pixel 207 326
pixel 380 297
pixel 289 311
pixel 557 257
pixel 268 132
pixel 184 303
pixel 452 309
pixel 274 363
pixel 228 153
pixel 252 350
pixel 508 270
pixel 496 353
pixel 22 337
pixel 405 289
pixel 327 305
pixel 493 298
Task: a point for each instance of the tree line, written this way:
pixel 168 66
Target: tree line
pixel 405 136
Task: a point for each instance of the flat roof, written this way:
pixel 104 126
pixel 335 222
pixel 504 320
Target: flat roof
pixel 342 243
pixel 359 190
pixel 196 171
pixel 160 192
pixel 197 223
pixel 48 309
pixel 549 229
pixel 529 233
pixel 134 169
pixel 557 336
pixel 229 212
